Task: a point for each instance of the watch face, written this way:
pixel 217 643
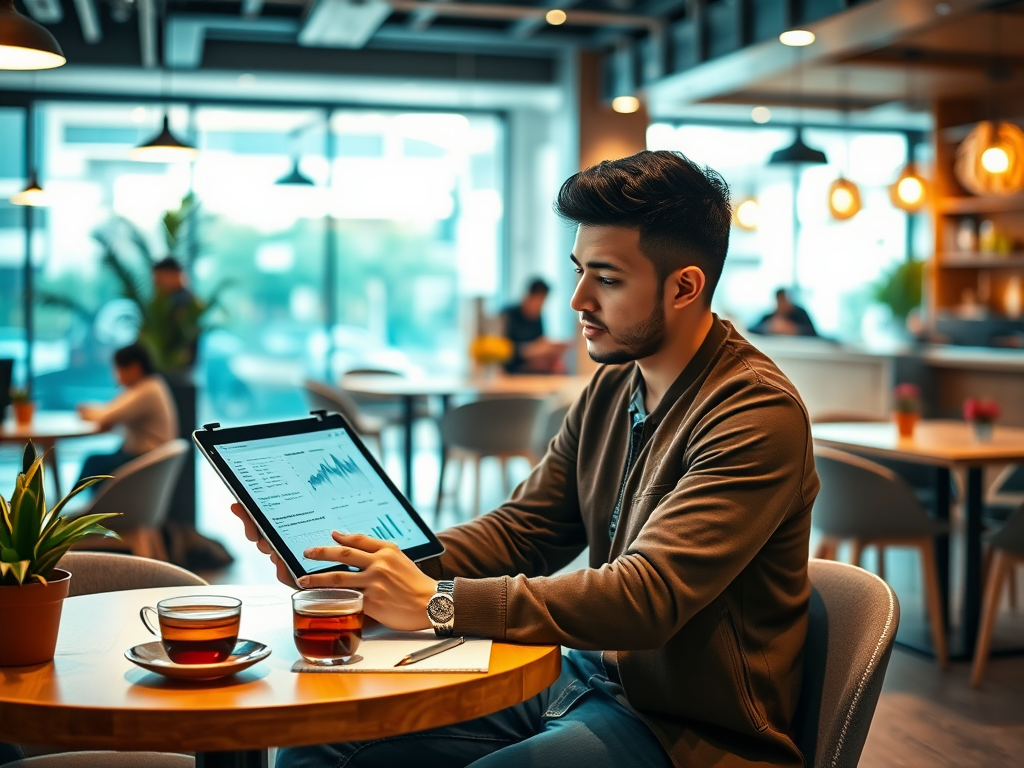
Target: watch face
pixel 441 609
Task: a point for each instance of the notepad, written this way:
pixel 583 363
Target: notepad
pixel 382 649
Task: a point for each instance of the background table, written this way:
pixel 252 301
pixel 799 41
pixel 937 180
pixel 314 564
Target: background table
pixel 46 428
pixel 91 697
pixel 948 446
pixel 408 389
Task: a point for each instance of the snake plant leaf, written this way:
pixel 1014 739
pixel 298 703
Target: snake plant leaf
pixel 5 524
pixel 27 518
pixel 15 571
pixel 75 529
pixel 28 456
pixel 59 506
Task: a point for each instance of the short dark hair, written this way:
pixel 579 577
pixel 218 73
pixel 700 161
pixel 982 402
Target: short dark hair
pixel 538 285
pixel 134 353
pixel 167 264
pixel 680 209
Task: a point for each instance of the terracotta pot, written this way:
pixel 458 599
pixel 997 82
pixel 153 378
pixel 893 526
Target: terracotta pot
pixel 31 617
pixel 23 413
pixel 905 423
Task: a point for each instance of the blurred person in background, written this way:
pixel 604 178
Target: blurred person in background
pixel 524 327
pixel 144 409
pixel 788 319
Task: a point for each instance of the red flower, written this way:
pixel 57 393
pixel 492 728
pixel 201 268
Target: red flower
pixel 981 410
pixel 907 398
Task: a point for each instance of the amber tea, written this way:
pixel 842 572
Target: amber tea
pixel 328 624
pixel 197 630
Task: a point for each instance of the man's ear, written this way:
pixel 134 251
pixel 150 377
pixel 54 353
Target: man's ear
pixel 685 286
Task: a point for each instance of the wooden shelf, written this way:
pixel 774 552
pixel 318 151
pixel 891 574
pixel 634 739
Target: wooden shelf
pixel 978 204
pixel 957 260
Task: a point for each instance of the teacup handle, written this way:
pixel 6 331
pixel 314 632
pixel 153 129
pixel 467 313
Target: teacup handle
pixel 146 620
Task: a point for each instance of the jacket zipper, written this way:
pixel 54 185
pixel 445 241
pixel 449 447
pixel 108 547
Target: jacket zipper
pixel 747 693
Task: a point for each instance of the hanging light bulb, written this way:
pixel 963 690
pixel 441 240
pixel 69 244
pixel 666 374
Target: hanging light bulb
pixel 32 195
pixel 164 148
pixel 843 199
pixel 798 153
pixel 24 44
pixel 747 215
pixel 990 161
pixel 626 105
pixel 910 191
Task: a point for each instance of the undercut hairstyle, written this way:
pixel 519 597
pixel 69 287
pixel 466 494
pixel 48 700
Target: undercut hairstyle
pixel 680 209
pixel 134 353
pixel 538 286
pixel 167 264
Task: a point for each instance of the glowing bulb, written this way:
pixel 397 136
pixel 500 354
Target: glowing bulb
pixel 555 17
pixel 842 200
pixel 748 214
pixel 797 38
pixel 760 115
pixel 626 104
pixel 995 160
pixel 139 115
pixel 910 190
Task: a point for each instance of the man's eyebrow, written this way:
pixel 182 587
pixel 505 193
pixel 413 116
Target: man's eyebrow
pixel 597 264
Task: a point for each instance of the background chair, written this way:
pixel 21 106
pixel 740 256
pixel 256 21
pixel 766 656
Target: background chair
pixel 548 425
pixel 141 491
pixel 1006 552
pixel 500 427
pixel 94 572
pixel 322 396
pixel 865 503
pixel 852 625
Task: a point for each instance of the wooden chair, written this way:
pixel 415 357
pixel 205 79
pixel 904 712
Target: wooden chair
pixel 321 396
pixel 500 427
pixel 1005 553
pixel 869 505
pixel 141 491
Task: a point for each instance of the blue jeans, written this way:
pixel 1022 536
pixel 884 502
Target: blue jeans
pixel 104 464
pixel 576 723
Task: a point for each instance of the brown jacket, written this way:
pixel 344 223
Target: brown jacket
pixel 703 591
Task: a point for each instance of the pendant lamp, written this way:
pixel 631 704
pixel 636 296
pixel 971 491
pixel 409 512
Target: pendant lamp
pixel 910 191
pixel 747 215
pixel 843 199
pixel 990 161
pixel 24 44
pixel 32 195
pixel 164 148
pixel 295 178
pixel 798 153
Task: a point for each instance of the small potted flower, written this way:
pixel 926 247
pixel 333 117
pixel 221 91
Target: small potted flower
pixel 24 408
pixel 982 415
pixel 489 352
pixel 906 408
pixel 32 541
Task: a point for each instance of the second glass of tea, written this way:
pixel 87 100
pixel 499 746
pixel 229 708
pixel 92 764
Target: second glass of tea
pixel 328 624
pixel 198 629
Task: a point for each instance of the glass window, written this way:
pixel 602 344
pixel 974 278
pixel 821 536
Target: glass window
pixel 12 239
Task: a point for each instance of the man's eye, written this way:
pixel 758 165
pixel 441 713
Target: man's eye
pixel 578 270
pixel 606 281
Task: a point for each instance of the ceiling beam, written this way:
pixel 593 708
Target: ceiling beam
pixel 89 20
pixel 526 27
pixel 519 12
pixel 147 32
pixel 252 8
pixel 420 20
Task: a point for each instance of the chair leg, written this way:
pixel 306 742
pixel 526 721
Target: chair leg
pixel 138 542
pixel 930 577
pixel 990 607
pixel 157 547
pixel 505 483
pixel 881 562
pixel 477 461
pixel 440 491
pixel 857 552
pixel 826 549
pixel 1012 580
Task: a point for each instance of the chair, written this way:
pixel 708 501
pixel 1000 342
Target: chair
pixel 141 491
pixel 1006 552
pixel 324 397
pixel 501 427
pixel 106 760
pixel 865 503
pixel 94 572
pixel 853 616
pixel 549 425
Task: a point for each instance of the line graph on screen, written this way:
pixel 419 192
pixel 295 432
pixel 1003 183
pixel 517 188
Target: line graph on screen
pixel 342 475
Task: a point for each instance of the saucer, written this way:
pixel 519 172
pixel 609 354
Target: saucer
pixel 152 656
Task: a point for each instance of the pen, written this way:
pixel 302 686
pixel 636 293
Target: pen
pixel 431 650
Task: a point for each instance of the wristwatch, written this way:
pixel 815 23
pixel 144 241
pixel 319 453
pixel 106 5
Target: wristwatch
pixel 441 609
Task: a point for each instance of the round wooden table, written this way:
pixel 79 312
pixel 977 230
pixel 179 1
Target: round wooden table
pixel 408 389
pixel 45 429
pixel 91 697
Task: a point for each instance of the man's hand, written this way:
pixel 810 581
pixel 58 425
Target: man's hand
pixel 395 591
pixel 252 533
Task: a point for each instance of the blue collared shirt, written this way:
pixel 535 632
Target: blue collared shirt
pixel 637 416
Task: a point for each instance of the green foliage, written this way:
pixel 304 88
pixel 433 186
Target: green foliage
pixel 33 539
pixel 901 288
pixel 19 395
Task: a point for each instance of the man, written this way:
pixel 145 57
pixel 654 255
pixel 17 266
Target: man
pixel 686 466
pixel 144 409
pixel 524 327
pixel 788 319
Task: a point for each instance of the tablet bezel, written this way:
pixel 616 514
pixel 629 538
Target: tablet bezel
pixel 207 439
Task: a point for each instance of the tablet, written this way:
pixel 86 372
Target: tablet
pixel 300 480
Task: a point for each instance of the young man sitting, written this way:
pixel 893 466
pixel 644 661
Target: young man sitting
pixel 686 467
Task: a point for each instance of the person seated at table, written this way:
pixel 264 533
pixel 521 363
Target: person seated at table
pixel 144 409
pixel 787 319
pixel 523 325
pixel 686 467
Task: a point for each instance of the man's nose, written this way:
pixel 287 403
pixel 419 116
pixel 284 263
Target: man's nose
pixel 582 301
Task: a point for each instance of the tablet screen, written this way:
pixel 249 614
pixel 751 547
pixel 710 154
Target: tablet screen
pixel 311 484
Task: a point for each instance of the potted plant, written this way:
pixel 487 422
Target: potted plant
pixel 24 408
pixel 901 289
pixel 982 415
pixel 906 408
pixel 32 541
pixel 489 351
